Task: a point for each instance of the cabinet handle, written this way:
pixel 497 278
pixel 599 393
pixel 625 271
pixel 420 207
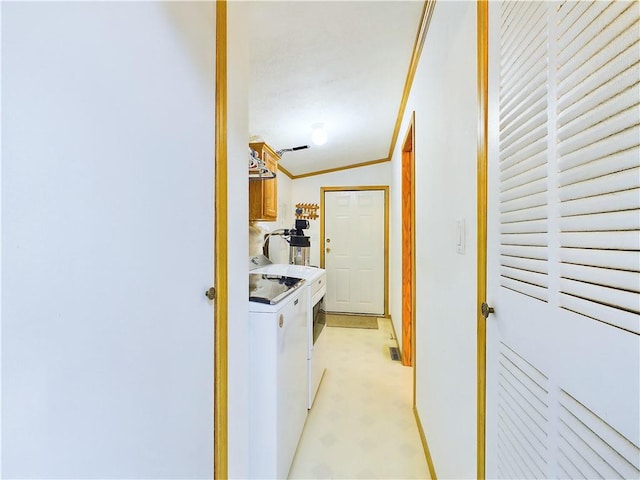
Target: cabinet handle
pixel 281 321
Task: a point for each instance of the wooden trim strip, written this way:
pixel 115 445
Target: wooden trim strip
pixel 425 446
pixel 337 169
pixel 483 108
pixel 220 363
pixel 409 146
pixel 322 190
pixel 356 188
pixel 427 13
pixel 285 171
pixel 386 250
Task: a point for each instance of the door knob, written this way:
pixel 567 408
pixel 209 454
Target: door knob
pixel 210 294
pixel 486 310
pixel 328 249
pixel 328 240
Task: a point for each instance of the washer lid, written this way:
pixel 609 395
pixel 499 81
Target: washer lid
pixel 258 261
pixel 271 289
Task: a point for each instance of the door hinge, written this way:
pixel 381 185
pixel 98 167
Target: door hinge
pixel 211 293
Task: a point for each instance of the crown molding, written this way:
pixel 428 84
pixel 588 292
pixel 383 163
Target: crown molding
pixel 338 169
pixel 427 13
pixel 285 171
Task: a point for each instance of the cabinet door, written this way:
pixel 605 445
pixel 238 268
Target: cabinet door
pixel 263 194
pixel 270 189
pixel 256 194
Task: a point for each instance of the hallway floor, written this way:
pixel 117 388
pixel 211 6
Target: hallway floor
pixel 361 425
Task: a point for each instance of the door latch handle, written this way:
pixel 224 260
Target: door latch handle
pixel 328 250
pixel 486 310
pixel 211 293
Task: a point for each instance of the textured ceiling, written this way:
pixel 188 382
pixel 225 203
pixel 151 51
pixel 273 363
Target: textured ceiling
pixel 340 63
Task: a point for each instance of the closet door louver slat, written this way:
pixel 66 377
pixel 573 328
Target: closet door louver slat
pixel 588 167
pixel 608 221
pixel 599 163
pixel 593 446
pixel 524 239
pixel 604 184
pixel 597 36
pixel 571 25
pixel 522 415
pixel 600 295
pixel 524 202
pixel 518 40
pixel 592 113
pixel 611 202
pixel 523 252
pixel 620 279
pixel 593 60
pixel 529 157
pixel 524 183
pixel 523 141
pixel 616 259
pixel 532 226
pixel 626 320
pixel 625 241
pixel 537 213
pixel 529 27
pixel 618 143
pixel 528 107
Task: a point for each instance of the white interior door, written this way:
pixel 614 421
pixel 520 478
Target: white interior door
pixel 563 392
pixel 354 250
pixel 107 239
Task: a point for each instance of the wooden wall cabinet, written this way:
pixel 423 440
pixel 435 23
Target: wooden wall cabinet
pixel 263 194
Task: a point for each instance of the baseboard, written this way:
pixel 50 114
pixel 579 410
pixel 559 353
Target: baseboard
pixel 395 336
pixel 423 438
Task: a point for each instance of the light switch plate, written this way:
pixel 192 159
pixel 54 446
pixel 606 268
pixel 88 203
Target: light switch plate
pixel 460 236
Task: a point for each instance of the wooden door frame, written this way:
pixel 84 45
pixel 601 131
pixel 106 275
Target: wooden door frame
pixel 483 108
pixel 385 189
pixel 408 254
pixel 221 312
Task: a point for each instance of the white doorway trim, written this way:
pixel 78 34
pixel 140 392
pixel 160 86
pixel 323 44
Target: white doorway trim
pixel 384 188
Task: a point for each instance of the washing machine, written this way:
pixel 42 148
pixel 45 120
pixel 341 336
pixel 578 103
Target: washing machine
pixel 316 285
pixel 277 371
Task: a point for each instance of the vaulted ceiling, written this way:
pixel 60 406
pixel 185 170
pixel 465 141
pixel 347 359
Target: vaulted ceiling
pixel 343 64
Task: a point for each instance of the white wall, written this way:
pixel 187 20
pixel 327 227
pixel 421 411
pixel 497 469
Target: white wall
pixel 238 197
pixel 444 99
pixel 107 233
pixel 307 190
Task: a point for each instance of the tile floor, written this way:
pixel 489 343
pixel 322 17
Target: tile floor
pixel 361 425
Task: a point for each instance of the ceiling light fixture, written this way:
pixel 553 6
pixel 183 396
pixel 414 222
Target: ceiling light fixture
pixel 318 134
pixel 293 149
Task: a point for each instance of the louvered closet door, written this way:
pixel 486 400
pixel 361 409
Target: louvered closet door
pixel 563 347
